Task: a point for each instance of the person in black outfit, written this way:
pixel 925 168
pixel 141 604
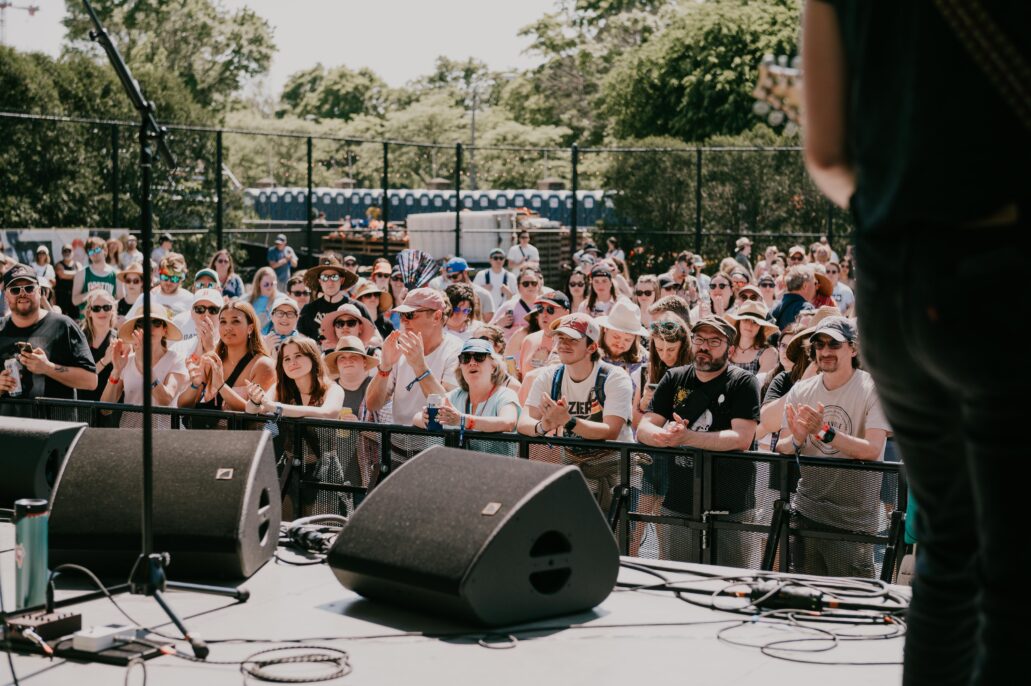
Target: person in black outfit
pixel 59 360
pixel 330 282
pixel 927 234
pixel 708 405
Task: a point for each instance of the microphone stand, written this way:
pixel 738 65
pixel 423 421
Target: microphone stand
pixel 148 574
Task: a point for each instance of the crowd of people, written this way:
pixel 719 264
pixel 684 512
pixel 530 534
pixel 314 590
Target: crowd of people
pixel 720 356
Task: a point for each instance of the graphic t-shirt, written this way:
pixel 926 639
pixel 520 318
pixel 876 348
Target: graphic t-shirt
pixel 619 395
pixel 847 499
pixel 712 405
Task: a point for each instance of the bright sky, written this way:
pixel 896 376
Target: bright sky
pixel 398 39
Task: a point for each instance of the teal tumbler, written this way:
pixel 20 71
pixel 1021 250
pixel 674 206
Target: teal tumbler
pixel 31 519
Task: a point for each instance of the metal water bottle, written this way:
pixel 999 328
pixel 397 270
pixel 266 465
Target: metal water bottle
pixel 31 541
pixel 433 404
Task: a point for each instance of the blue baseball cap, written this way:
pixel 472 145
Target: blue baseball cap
pixel 478 345
pixel 456 265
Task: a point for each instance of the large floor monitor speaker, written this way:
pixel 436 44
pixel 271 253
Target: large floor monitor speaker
pixel 32 452
pixel 217 505
pixel 486 539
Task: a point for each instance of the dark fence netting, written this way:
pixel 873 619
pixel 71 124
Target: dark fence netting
pixel 752 510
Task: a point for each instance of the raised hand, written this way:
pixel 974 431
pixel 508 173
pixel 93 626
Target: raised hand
pixel 119 356
pixel 391 351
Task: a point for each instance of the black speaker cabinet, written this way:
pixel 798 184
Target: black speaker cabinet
pixel 31 454
pixel 217 505
pixel 487 539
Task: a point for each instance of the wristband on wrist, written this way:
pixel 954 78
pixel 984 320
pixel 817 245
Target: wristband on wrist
pixel 383 372
pixel 114 379
pixel 155 384
pixel 417 380
pixel 826 433
pixel 796 445
pixel 469 422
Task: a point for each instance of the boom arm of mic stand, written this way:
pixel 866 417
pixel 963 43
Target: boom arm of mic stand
pixel 132 87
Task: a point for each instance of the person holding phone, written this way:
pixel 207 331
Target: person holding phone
pixel 52 350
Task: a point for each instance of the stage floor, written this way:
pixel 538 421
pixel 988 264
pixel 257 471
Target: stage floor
pixel 633 637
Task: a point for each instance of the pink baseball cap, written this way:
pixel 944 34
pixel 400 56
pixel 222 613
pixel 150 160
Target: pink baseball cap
pixel 578 325
pixel 423 299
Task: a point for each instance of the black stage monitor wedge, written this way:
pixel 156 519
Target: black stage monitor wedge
pixel 216 502
pixel 486 539
pixel 31 454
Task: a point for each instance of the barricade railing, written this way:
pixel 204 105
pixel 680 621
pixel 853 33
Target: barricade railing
pixel 738 509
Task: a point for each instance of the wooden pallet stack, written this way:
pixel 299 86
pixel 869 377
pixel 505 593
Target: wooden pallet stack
pixel 359 244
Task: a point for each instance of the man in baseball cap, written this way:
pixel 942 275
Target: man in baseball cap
pixel 714 406
pixel 53 356
pixel 282 258
pixel 418 361
pixel 836 413
pixel 496 280
pixel 583 397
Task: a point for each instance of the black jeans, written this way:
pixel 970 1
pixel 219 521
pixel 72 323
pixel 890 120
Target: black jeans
pixel 939 318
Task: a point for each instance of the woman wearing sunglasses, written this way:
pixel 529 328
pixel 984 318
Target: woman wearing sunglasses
pixel 99 327
pixel 232 284
pixel 351 319
pixel 579 288
pixel 481 401
pixel 511 316
pixel 132 288
pixel 168 373
pixel 262 294
pixel 721 296
pixel 646 292
pixel 464 310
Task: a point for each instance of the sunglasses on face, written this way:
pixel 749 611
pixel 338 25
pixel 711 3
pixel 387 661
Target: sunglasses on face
pixel 550 309
pixel 747 296
pixel 463 310
pixel 201 309
pixel 381 275
pixel 577 284
pixel 497 258
pixel 529 284
pixel 94 251
pixel 221 260
pixel 18 290
pixel 154 324
pixel 720 286
pixel 300 294
pixel 101 308
pixel 411 315
pixel 767 285
pixel 644 294
pixel 466 358
pixel 350 263
pixel 796 258
pixel 396 279
pixel 285 314
pixel 820 344
pixel 346 324
pixel 326 278
pixel 832 271
pixel 174 278
pixel 456 277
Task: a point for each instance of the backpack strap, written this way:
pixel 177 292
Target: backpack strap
pixel 599 382
pixel 556 383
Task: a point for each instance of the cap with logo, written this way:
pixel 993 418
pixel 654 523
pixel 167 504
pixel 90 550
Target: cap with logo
pixel 578 325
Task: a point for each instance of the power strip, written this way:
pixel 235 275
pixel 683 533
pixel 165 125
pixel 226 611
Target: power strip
pixel 102 637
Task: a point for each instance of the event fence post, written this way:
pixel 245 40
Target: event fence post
pixel 458 199
pixel 574 184
pixel 310 228
pixel 385 200
pixel 698 201
pixel 115 219
pixel 219 207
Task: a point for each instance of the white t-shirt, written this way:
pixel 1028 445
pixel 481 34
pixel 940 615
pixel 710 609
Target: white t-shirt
pixel 843 297
pixel 846 499
pixel 493 281
pixel 442 362
pixel 486 300
pixel 180 301
pixel 619 396
pixel 132 380
pixel 518 254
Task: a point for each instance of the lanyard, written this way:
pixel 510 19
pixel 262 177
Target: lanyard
pixel 468 410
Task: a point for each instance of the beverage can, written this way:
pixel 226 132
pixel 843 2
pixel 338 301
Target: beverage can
pixel 433 403
pixel 14 367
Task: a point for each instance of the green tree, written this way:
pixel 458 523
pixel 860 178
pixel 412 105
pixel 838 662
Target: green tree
pixel 694 79
pixel 338 93
pixel 212 50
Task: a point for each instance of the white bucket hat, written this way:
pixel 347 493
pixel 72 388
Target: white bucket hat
pixel 625 317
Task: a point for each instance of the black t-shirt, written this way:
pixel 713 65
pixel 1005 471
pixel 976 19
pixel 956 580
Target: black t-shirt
pixel 779 387
pixel 710 406
pixel 312 315
pixel 64 343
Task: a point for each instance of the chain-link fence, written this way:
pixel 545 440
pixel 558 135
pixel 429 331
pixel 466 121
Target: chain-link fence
pixel 735 509
pixel 360 196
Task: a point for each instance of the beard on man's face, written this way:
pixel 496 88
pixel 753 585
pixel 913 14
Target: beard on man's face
pixel 705 361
